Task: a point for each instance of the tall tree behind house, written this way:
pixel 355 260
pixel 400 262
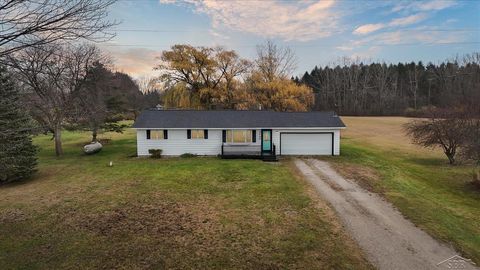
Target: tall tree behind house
pixel 199 77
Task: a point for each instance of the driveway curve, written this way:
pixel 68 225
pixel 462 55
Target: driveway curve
pixel 389 240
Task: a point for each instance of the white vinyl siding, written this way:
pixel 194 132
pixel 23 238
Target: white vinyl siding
pixel 177 142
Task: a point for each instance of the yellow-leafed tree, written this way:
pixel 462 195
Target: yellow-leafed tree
pixel 203 78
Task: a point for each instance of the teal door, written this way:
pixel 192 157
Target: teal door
pixel 266 140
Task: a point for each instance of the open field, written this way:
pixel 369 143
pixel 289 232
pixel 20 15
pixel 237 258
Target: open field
pixel 177 213
pixel 208 213
pixel 436 196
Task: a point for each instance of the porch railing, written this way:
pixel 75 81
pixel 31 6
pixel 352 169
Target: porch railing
pixel 245 150
pixel 241 150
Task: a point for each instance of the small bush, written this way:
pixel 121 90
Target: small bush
pixel 418 113
pixel 187 155
pixel 155 153
pixel 476 178
pixel 132 155
pixel 410 112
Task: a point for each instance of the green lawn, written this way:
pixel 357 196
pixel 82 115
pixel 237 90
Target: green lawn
pixel 436 196
pixel 77 212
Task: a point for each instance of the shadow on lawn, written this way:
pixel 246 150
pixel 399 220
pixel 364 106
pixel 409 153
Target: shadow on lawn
pixel 427 161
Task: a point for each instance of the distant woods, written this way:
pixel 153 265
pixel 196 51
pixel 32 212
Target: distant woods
pixel 355 88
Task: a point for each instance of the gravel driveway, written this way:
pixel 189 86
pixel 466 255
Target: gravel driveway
pixel 389 240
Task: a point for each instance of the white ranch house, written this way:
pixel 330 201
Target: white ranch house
pixel 238 133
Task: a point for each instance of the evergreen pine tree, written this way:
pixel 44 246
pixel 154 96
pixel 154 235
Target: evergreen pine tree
pixel 17 153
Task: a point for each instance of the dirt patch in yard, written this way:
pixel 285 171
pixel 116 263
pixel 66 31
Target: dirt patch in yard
pixel 165 219
pixel 161 218
pixel 365 176
pixel 12 216
pixel 152 228
pixel 177 235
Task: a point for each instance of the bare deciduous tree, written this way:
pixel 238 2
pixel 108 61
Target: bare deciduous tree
pixel 49 75
pixel 471 149
pixel 26 23
pixel 274 61
pixel 148 84
pixel 90 99
pixel 443 128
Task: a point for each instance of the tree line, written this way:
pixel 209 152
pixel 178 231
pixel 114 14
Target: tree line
pixel 352 87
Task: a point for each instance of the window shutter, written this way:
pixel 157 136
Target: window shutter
pixel 165 134
pixel 224 136
pixel 189 133
pixel 254 135
pixel 148 134
pixel 205 133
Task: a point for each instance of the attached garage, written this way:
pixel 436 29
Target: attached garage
pixel 306 143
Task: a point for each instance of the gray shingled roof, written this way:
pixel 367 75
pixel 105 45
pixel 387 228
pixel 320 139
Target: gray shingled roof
pixel 234 119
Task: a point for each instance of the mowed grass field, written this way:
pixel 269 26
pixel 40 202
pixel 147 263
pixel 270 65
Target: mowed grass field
pixel 436 196
pixel 196 213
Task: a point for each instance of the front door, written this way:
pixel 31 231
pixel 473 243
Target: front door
pixel 266 140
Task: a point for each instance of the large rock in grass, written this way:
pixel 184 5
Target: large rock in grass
pixel 92 148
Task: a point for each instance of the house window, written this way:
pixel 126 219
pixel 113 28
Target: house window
pixel 198 134
pixel 157 134
pixel 239 136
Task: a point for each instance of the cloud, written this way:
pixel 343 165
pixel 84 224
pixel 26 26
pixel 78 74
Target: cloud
pixel 366 54
pixel 301 21
pixel 433 5
pixel 422 10
pixel 345 48
pixel 368 28
pixel 408 20
pixel 412 37
pixel 135 61
pixel 403 21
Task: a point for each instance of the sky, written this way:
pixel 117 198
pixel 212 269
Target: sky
pixel 319 32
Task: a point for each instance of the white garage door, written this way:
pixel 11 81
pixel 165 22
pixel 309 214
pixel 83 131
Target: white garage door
pixel 306 144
